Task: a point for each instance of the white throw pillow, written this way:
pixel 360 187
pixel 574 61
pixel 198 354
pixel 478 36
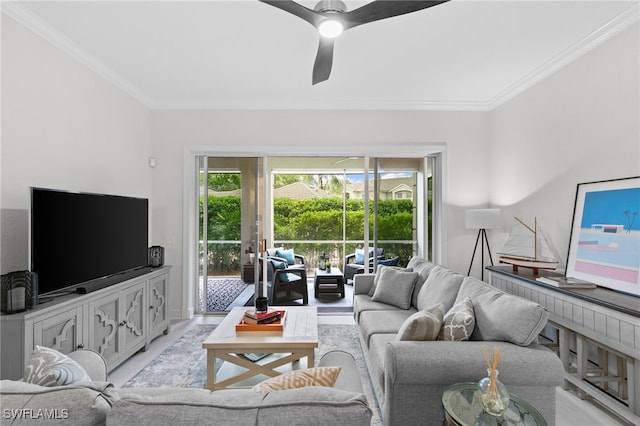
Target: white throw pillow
pixel 48 367
pixel 423 325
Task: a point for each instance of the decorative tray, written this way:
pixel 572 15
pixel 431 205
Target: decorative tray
pixel 277 326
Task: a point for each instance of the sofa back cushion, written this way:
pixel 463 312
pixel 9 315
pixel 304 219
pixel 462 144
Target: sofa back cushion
pixel 310 405
pixel 423 269
pixel 442 286
pixel 501 316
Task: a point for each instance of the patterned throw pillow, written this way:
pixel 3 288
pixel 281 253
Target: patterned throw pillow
pixel 318 376
pixel 48 367
pixel 459 322
pixel 423 325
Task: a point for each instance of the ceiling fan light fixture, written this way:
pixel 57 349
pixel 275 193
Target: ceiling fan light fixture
pixel 330 28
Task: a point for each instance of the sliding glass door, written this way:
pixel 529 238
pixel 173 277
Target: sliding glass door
pixel 322 207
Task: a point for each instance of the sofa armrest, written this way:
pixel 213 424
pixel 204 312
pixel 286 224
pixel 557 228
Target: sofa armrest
pixel 92 362
pixel 417 373
pixel 362 283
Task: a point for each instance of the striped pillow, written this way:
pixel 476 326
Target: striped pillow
pixel 318 376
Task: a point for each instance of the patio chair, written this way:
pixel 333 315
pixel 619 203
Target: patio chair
pixel 285 284
pixel 293 261
pixel 354 262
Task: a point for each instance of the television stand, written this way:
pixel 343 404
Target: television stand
pixel 116 321
pixel 100 283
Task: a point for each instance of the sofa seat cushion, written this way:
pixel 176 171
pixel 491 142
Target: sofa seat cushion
pixel 383 322
pixel 501 316
pixel 174 406
pixel 442 286
pixel 363 303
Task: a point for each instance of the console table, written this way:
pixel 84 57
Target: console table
pixel 596 333
pixel 116 321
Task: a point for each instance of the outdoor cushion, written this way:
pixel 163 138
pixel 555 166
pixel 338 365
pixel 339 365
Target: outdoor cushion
pixel 288 255
pixel 501 316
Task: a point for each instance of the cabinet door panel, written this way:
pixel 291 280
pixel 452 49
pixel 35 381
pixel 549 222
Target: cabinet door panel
pixel 105 319
pixel 134 318
pixel 61 332
pixel 158 308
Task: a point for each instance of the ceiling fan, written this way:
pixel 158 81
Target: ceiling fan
pixel 331 18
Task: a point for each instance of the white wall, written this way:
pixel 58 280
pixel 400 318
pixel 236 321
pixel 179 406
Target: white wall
pixel 581 124
pixel 65 127
pixel 319 132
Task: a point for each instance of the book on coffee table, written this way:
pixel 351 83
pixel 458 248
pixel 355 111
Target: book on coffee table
pixel 275 326
pixel 261 316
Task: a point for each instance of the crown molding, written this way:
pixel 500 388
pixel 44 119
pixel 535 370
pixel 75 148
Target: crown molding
pixel 588 43
pixel 372 105
pixel 582 47
pixel 34 23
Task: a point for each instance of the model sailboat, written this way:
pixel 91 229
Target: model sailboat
pixel 529 248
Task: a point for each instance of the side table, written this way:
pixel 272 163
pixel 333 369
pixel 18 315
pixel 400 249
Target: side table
pixel 328 281
pixel 247 273
pixel 462 406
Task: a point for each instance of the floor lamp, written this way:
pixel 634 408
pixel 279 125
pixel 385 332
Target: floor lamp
pixel 481 219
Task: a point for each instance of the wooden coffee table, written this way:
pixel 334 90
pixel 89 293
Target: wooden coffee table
pixel 328 281
pixel 298 339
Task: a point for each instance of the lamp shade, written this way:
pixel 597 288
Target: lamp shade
pixel 482 218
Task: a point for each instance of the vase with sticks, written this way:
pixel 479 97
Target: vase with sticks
pixel 494 395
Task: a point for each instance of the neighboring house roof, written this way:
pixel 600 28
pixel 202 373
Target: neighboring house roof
pixel 300 191
pixel 232 193
pixel 386 185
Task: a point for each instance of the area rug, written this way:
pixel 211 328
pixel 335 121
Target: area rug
pixel 184 363
pixel 222 292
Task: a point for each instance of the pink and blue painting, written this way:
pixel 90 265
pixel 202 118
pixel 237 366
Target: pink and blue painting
pixel 605 239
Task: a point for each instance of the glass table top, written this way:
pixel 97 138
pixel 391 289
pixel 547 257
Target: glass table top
pixel 462 406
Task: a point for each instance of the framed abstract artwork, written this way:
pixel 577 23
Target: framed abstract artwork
pixel 605 235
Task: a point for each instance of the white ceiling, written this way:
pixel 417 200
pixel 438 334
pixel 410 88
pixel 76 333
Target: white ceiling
pixel 464 54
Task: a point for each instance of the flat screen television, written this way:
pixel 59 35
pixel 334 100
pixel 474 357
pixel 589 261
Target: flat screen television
pixel 79 238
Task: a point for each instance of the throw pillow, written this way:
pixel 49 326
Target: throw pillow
pixel 277 264
pixel 359 260
pixel 48 367
pixel 288 255
pixel 318 376
pixel 459 322
pixel 395 287
pixel 423 325
pixel 376 278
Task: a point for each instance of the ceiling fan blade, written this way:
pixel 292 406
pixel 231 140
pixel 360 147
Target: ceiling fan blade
pixel 382 9
pixel 324 60
pixel 309 15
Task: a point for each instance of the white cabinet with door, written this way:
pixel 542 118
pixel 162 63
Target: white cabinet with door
pixel 116 322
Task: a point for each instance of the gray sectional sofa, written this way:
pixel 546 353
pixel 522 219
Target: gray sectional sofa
pixel 98 403
pixel 409 376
